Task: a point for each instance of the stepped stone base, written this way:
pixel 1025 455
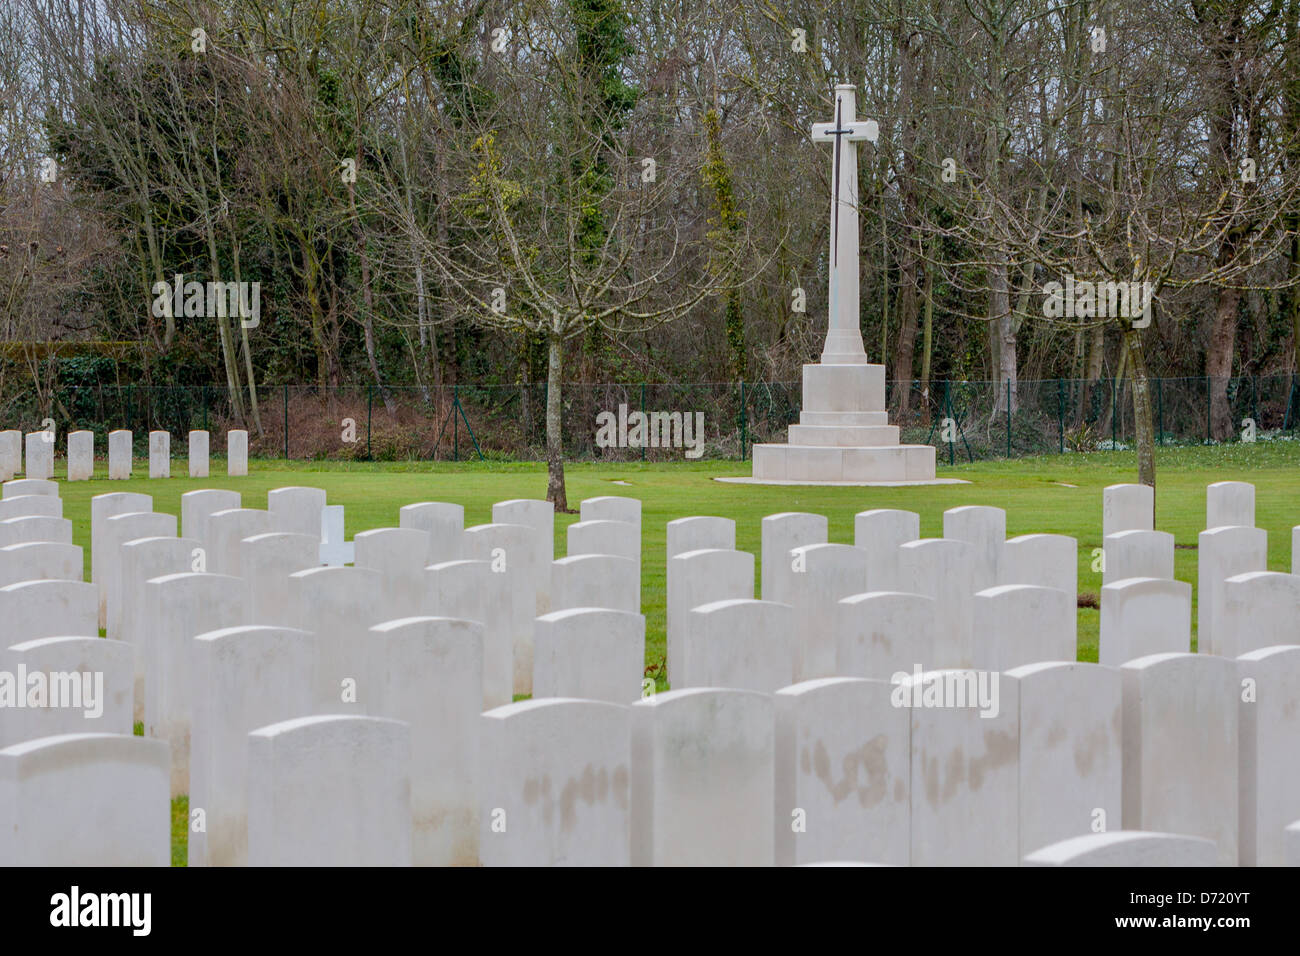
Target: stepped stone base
pixel 843 435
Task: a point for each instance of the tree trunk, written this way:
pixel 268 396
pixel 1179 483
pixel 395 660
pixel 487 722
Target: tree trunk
pixel 554 425
pixel 1218 361
pixel 1143 421
pixel 927 335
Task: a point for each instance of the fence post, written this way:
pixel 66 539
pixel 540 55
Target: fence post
pixel 370 404
pixel 1114 412
pixel 205 408
pixel 947 405
pixel 1254 394
pixel 286 423
pixel 643 418
pixel 1008 418
pixel 1208 401
pixel 744 421
pixel 1060 413
pixel 1160 411
pixel 455 423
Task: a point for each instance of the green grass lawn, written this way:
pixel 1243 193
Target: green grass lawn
pixel 1051 494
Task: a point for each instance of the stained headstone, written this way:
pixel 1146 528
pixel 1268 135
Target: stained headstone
pixel 160 454
pixel 555 784
pixel 427 672
pixel 843 773
pixel 244 678
pixel 881 633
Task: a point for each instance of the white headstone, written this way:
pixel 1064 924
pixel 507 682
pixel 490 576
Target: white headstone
pixel 965 767
pixel 1125 848
pixel 985 530
pixel 160 454
pixel 1018 624
pixel 743 644
pixel 267 560
pixel 469 590
pixel 117 531
pixel 198 454
pixel 296 510
pixel 1181 747
pixel 540 517
pixel 1071 750
pixel 943 569
pixel 781 533
pixel 1260 609
pixel 1144 616
pixel 445 524
pixel 1047 560
pixel 142 560
pixel 35 528
pixel 1223 553
pixel 619 538
pixel 85 800
pixel 1137 554
pixel 589 653
pixel 555 784
pixel 81 456
pixel 697 533
pixel 428 672
pixel 21 487
pixel 339 605
pixel 103 507
pixel 224 532
pixel 703 779
pixel 595 580
pixel 82 685
pixel 879 533
pixel 612 508
pixel 1127 508
pixel 1230 503
pixel 881 633
pixel 40 455
pixel 40 561
pixel 1269 775
pixel 33 609
pixel 182 606
pixel 119 454
pixel 843 773
pixel 24 506
pixel 348 777
pixel 198 506
pixel 237 453
pixel 399 555
pixel 11 453
pixel 510 553
pixel 702 577
pixel 823 575
pixel 244 678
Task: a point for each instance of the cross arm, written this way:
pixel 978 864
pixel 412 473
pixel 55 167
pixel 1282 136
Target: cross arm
pixel 859 130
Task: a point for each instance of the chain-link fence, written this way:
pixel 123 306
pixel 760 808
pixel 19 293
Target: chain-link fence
pixel 965 421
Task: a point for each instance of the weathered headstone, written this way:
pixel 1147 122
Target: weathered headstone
pixel 823 575
pixel 226 529
pixel 24 506
pixel 468 590
pixel 199 454
pixel 22 487
pixel 339 605
pixel 40 455
pixel 103 507
pixel 1181 747
pixel 267 561
pixel 11 453
pixel 879 532
pixel 1260 609
pixel 595 580
pixel 117 531
pixel 81 455
pixel 843 773
pixel 84 687
pixel 160 454
pixel 1018 624
pixel 34 609
pixel 510 553
pixel 198 506
pixel 237 453
pixel 540 517
pixel 345 776
pixel 40 561
pixel 1222 553
pixel 943 569
pixel 35 528
pixel 445 524
pixel 781 533
pixel 881 633
pixel 1127 508
pixel 985 530
pixel 555 784
pixel 1230 503
pixel 702 577
pixel 589 653
pixel 703 779
pixel 399 555
pixel 1269 776
pixel 119 454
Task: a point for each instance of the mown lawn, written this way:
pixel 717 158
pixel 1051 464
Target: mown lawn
pixel 1053 494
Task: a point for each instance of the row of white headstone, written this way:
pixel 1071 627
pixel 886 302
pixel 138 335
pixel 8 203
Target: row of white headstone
pixel 39 459
pixel 211 634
